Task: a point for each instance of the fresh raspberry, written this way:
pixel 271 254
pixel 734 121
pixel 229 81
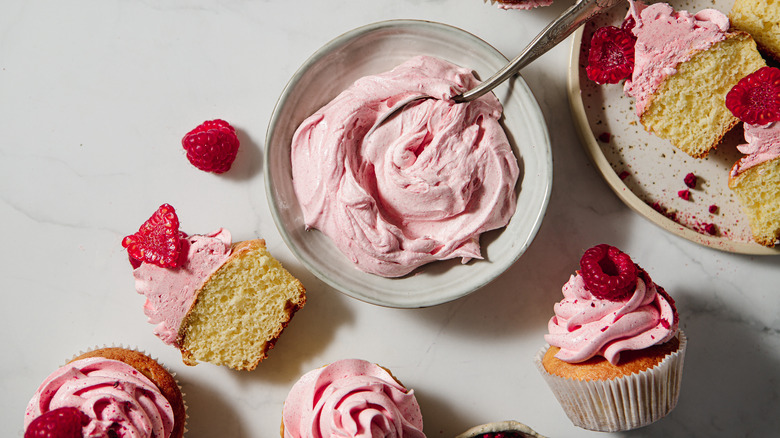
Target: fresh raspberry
pixel 624 174
pixel 605 137
pixel 611 55
pixel 713 209
pixel 58 423
pixel 756 97
pixel 690 180
pixel 212 146
pixel 158 240
pixel 684 194
pixel 607 272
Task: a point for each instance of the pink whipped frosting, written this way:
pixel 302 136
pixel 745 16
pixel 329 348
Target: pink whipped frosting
pixel 585 326
pixel 665 38
pixel 115 396
pixel 524 4
pixel 763 144
pixel 423 186
pixel 351 398
pixel 171 292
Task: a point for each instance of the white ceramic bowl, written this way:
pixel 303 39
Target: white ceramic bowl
pixel 373 49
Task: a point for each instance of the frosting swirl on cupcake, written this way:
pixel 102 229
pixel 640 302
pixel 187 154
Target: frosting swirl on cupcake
pixel 585 326
pixel 351 398
pixel 117 399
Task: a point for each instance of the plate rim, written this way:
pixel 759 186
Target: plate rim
pixel 593 150
pixel 544 158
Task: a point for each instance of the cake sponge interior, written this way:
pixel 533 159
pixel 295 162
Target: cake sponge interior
pixel 241 310
pixel 689 108
pixel 758 190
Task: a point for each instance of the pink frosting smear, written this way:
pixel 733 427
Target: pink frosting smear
pixel 524 4
pixel 763 144
pixel 171 292
pixel 665 38
pixel 116 397
pixel 420 188
pixel 351 398
pixel 585 326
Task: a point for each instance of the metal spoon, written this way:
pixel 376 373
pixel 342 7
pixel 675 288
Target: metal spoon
pixel 563 26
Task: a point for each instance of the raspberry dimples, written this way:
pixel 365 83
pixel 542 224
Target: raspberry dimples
pixel 615 354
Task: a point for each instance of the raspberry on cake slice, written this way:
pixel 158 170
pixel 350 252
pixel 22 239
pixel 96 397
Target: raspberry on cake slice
pixel 682 67
pixel 755 178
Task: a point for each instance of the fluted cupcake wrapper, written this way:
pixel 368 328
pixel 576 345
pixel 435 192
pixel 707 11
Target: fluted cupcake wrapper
pixel 620 404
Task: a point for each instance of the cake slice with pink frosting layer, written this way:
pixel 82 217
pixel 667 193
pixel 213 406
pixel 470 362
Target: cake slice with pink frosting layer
pixel 222 302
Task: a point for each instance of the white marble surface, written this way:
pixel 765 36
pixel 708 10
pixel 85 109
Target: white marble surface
pixel 94 98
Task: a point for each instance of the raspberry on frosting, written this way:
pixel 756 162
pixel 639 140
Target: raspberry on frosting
pixel 611 55
pixel 756 97
pixel 65 422
pixel 157 241
pixel 608 272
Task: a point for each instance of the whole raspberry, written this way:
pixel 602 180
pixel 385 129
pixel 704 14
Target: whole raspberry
pixel 608 273
pixel 58 423
pixel 611 55
pixel 157 241
pixel 212 146
pixel 756 97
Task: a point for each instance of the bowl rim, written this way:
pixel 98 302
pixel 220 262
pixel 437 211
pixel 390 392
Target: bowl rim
pixel 342 40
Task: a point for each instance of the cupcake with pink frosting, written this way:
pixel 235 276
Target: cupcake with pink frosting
pixel 615 352
pixel 351 398
pixel 107 392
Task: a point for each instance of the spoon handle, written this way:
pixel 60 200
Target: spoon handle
pixel 554 33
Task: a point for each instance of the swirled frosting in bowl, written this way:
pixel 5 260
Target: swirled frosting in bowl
pixel 585 326
pixel 351 398
pixel 420 188
pixel 118 399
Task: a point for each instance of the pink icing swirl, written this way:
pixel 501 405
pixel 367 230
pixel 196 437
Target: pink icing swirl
pixel 423 186
pixel 585 326
pixel 763 144
pixel 116 397
pixel 351 398
pixel 170 292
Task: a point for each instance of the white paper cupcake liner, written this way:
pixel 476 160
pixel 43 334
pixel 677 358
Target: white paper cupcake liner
pixel 620 404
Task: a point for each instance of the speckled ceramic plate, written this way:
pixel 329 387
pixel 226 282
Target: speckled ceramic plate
pixel 647 172
pixel 373 49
